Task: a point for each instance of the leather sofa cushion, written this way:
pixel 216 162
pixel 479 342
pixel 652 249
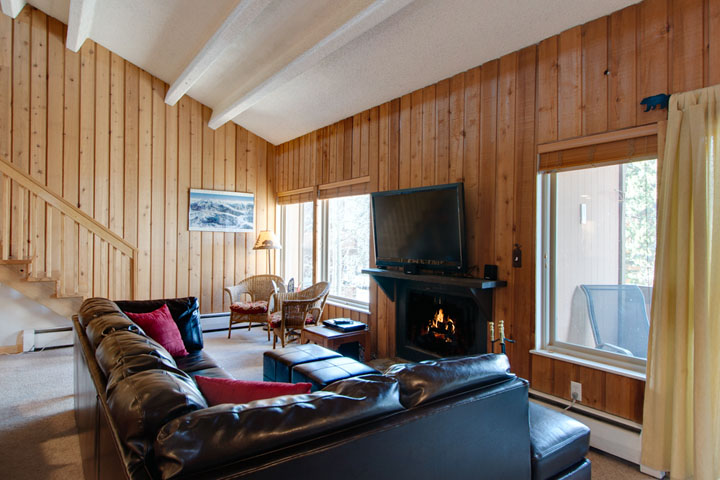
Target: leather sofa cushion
pixel 144 402
pixel 198 360
pixel 233 432
pixel 123 344
pixel 108 323
pixel 185 312
pixel 557 442
pixel 93 308
pixel 130 365
pixel 425 381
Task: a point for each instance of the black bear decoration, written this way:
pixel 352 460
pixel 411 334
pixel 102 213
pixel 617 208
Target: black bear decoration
pixel 659 100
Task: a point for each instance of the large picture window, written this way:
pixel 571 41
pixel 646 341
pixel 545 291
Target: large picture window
pixel 599 230
pixel 343 247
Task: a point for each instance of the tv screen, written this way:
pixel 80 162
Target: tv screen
pixel 420 226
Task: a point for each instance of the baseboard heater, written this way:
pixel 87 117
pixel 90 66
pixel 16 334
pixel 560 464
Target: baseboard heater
pixel 46 339
pixel 608 433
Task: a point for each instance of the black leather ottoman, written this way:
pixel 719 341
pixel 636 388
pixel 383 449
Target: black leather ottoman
pixel 558 445
pixel 324 372
pixel 277 364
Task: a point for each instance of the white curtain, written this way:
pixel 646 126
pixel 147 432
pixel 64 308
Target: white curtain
pixel 681 424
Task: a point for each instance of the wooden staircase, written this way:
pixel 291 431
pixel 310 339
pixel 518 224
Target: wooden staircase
pixel 55 253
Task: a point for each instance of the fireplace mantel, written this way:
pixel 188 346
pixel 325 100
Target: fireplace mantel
pixel 387 279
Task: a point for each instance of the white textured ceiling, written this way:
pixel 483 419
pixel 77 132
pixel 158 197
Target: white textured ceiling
pixel 377 58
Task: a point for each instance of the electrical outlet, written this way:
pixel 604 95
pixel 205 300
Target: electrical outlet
pixel 576 391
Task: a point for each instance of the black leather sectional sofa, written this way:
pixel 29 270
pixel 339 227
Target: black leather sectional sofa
pixel 141 416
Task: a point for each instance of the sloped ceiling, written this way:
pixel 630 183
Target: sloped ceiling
pixel 282 68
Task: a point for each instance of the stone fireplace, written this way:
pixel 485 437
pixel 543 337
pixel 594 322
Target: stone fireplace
pixel 438 316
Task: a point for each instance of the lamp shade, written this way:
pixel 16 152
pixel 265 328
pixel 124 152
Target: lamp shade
pixel 267 240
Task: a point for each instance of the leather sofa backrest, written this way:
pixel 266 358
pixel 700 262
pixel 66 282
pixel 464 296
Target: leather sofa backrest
pixel 123 344
pixel 104 325
pixel 185 312
pixel 232 432
pixel 142 403
pixel 431 379
pixel 93 308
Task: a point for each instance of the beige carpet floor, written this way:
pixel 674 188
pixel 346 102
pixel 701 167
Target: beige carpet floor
pixel 38 439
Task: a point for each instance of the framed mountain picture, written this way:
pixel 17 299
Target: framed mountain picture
pixel 216 211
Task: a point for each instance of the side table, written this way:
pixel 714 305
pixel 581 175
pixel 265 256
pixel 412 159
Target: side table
pixel 332 339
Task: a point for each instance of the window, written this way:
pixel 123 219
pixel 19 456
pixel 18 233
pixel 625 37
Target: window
pixel 599 230
pixel 296 231
pixel 343 249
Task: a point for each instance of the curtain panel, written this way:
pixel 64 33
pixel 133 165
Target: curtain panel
pixel 681 424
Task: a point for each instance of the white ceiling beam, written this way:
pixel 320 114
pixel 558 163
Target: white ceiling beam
pixel 239 19
pixel 12 8
pixel 379 11
pixel 80 20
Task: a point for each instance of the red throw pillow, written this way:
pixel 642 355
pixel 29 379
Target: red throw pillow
pixel 226 390
pixel 161 327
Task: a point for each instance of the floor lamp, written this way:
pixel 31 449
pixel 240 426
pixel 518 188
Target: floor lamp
pixel 267 240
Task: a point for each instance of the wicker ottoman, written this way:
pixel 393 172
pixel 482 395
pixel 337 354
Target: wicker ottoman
pixel 277 364
pixel 325 372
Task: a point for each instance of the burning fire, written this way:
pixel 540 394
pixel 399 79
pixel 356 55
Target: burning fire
pixel 440 327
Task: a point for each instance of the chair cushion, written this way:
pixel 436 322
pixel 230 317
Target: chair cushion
pixel 224 390
pixel 276 319
pixel 557 441
pixel 249 308
pixel 160 326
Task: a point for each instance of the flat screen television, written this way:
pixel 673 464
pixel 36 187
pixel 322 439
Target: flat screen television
pixel 423 227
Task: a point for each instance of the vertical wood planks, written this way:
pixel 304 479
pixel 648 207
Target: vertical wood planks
pixel 687 41
pixel 21 131
pixel 38 134
pixel 171 201
pixel 569 83
pixel 87 167
pixel 547 90
pixel 101 260
pixel 71 146
pixel 622 63
pixel 504 184
pixel 652 56
pixel 595 76
pixel 522 326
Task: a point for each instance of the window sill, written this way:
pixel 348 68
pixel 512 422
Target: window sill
pixel 350 306
pixel 625 372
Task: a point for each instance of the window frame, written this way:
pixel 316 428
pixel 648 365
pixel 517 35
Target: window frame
pixel 284 240
pixel 547 232
pixel 323 262
pixel 320 237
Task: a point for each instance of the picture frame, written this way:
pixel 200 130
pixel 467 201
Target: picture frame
pixel 221 211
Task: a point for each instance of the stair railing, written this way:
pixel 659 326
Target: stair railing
pixel 21 221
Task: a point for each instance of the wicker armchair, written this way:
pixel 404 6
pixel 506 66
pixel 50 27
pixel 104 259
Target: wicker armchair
pixel 291 312
pixel 259 288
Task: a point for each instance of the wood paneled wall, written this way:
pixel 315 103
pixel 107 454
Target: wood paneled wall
pixel 482 127
pixel 95 129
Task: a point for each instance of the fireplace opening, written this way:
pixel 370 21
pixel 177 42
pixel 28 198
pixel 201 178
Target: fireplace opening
pixel 441 325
